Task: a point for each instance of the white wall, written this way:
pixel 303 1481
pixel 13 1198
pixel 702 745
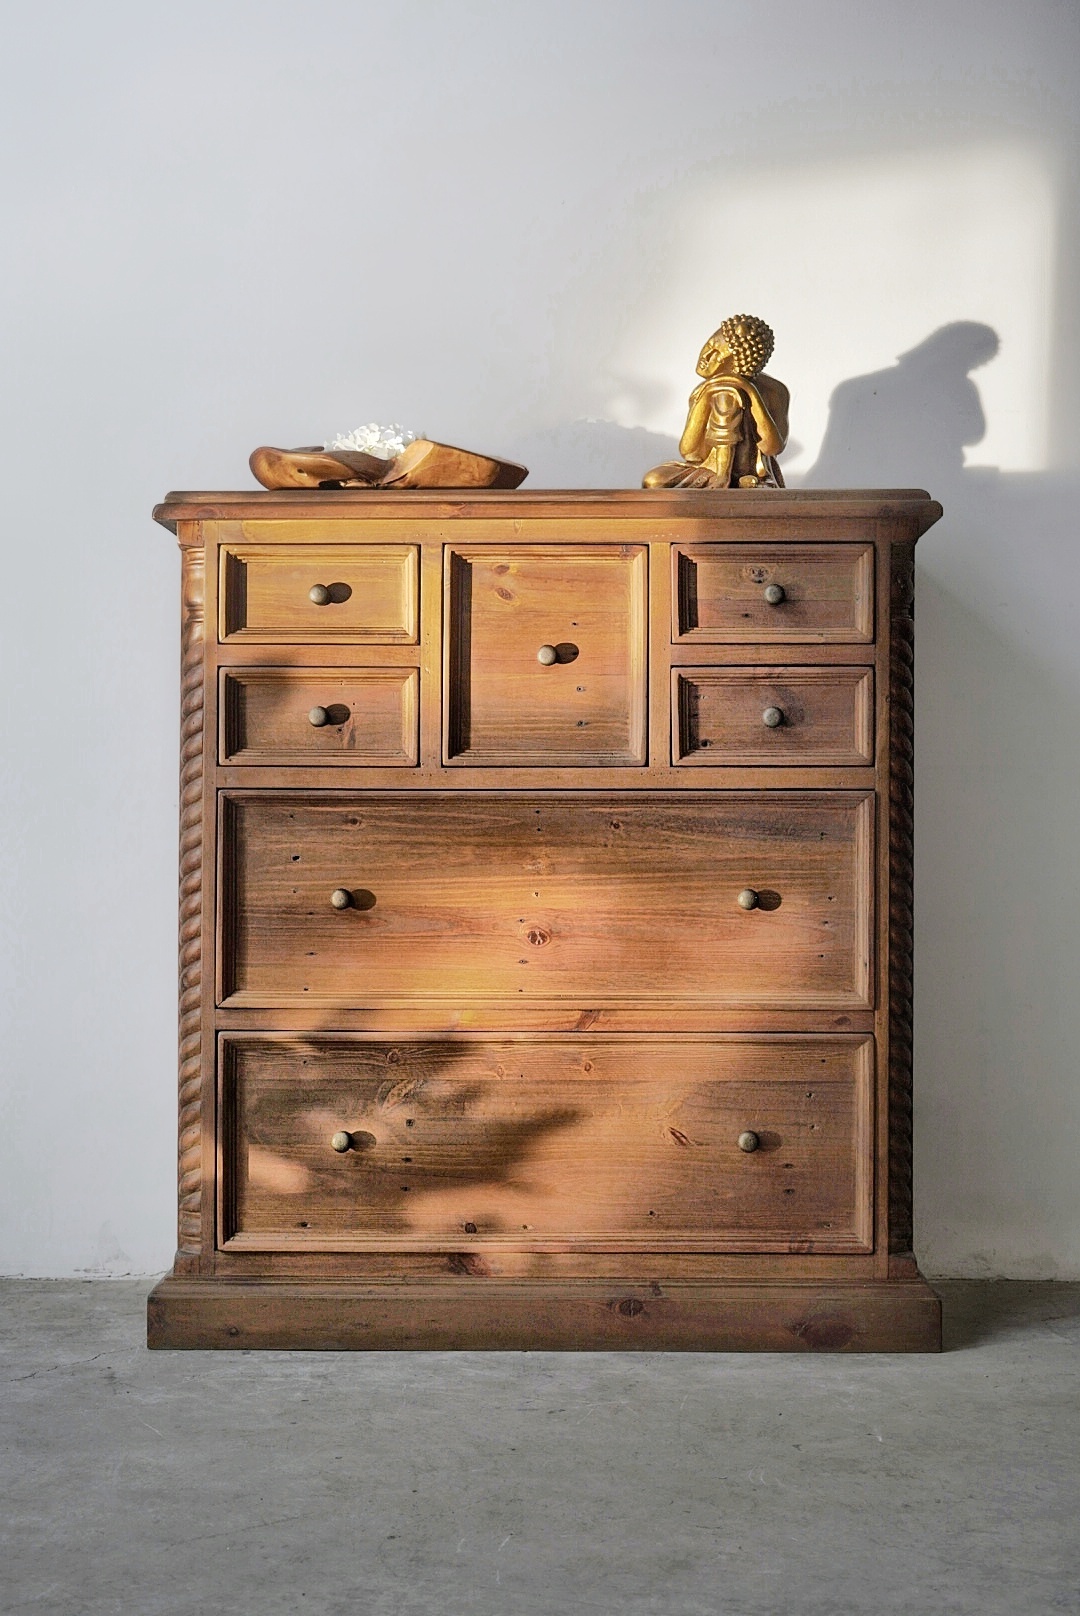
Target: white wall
pixel 511 225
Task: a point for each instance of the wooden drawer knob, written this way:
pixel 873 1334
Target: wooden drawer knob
pixel 359 1141
pixel 772 717
pixel 747 1141
pixel 319 595
pixel 319 716
pixel 547 654
pixel 774 594
pixel 747 899
pixel 341 898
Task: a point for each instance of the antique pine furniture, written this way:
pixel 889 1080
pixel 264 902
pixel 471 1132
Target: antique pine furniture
pixel 545 933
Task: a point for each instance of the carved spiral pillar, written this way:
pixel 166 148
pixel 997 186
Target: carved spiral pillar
pixel 901 894
pixel 189 1233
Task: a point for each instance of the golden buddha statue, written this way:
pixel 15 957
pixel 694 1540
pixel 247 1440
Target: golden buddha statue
pixel 737 422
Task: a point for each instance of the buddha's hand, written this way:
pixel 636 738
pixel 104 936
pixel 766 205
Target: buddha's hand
pixel 696 477
pixel 723 387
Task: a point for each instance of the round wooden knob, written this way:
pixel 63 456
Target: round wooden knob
pixel 747 1141
pixel 341 898
pixel 547 654
pixel 772 718
pixel 747 899
pixel 319 716
pixel 341 1142
pixel 319 595
pixel 774 594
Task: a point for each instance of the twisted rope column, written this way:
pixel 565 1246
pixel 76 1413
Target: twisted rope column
pixel 901 893
pixel 189 1233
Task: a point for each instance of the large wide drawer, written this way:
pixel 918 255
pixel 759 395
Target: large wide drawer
pixel 776 592
pixel 728 899
pixel 584 1143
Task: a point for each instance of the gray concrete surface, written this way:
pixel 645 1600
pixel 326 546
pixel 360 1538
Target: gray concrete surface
pixel 540 1484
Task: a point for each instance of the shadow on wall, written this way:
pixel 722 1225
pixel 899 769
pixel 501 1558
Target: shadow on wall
pixel 591 454
pixel 908 426
pixel 997 881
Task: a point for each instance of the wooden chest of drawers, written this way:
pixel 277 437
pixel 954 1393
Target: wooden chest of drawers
pixel 546 921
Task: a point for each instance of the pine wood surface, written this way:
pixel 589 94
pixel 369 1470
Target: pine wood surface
pixel 826 715
pixel 463 1313
pixel 265 593
pixel 580 1143
pixel 540 874
pixel 586 606
pixel 718 593
pixel 547 898
pixel 371 716
pixel 791 512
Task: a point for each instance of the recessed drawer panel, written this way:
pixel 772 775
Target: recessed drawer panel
pixel 307 594
pixel 773 715
pixel 584 1143
pixel 545 658
pixel 748 899
pixel 726 593
pixel 319 715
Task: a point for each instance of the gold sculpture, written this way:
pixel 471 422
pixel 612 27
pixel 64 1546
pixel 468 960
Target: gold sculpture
pixel 737 422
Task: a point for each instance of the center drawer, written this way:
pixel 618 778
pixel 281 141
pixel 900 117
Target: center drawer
pixel 729 899
pixel 338 1143
pixel 545 656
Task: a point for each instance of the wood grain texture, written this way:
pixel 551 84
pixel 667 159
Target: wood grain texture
pixel 799 513
pixel 371 716
pixel 601 899
pixel 510 1262
pixel 826 716
pixel 587 606
pixel 373 590
pixel 193 631
pixel 582 1143
pixel 422 464
pixel 719 593
pixel 466 1313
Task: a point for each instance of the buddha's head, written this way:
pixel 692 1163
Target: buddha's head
pixel 740 347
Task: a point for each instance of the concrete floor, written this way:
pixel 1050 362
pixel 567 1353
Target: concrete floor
pixel 540 1484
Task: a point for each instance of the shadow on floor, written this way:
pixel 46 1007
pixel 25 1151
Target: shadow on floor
pixel 976 1312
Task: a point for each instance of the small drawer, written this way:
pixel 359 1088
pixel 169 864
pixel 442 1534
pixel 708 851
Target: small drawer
pixel 545 658
pixel 773 715
pixel 311 594
pixel 354 716
pixel 550 1143
pixel 816 593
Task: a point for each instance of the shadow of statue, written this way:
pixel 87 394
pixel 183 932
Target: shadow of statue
pixel 997 883
pixel 908 426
